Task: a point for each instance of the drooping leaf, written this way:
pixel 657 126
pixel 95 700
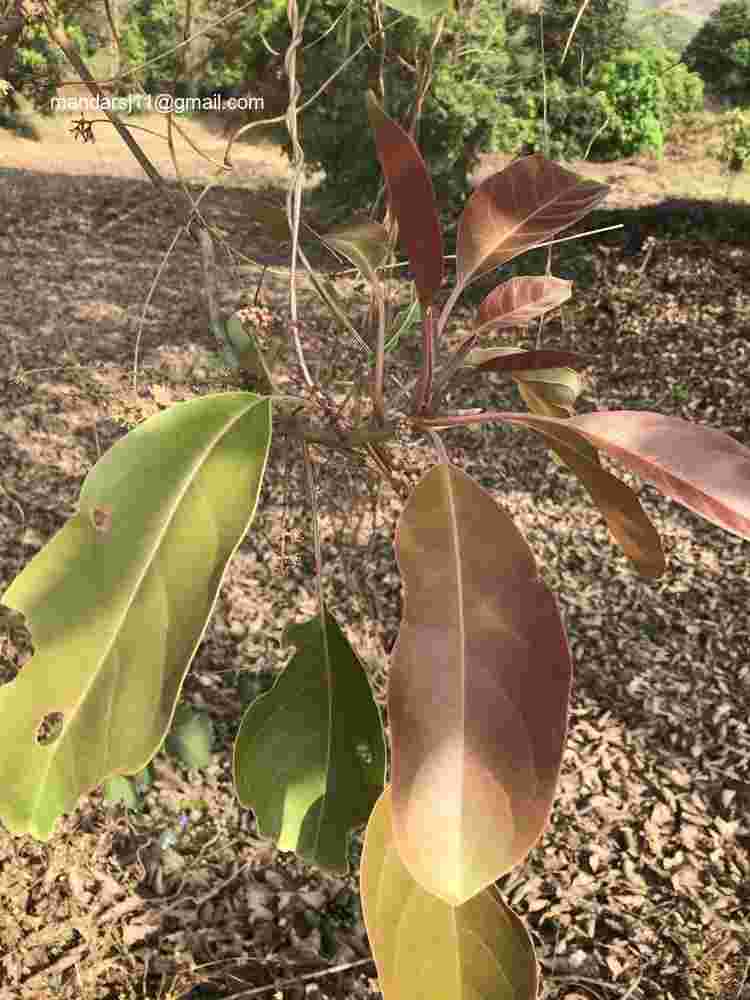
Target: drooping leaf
pixel 552 392
pixel 516 359
pixel 310 754
pixel 364 244
pixel 119 599
pixel 702 468
pixel 425 949
pixel 518 301
pixel 413 200
pixel 524 205
pixel 620 507
pixel 478 690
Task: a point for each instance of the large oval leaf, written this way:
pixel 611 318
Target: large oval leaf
pixel 425 949
pixel 478 690
pixel 309 758
pixel 118 601
pixel 413 200
pixel 702 468
pixel 518 301
pixel 525 204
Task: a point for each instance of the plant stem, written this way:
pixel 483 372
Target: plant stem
pixel 423 390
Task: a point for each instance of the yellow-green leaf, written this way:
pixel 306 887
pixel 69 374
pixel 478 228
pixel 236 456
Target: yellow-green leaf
pixel 426 949
pixel 119 599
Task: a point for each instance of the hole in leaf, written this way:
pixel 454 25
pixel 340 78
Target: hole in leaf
pixel 15 644
pixel 49 728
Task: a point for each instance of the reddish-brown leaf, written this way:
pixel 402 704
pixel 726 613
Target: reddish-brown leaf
pixel 525 204
pixel 478 690
pixel 518 301
pixel 702 468
pixel 413 200
pixel 512 359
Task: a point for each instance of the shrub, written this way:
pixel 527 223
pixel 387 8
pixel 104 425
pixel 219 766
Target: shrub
pixel 574 116
pixel 720 52
pixel 683 91
pixel 600 35
pixel 633 95
pixel 660 28
pixel 242 57
pixel 735 147
pixel 36 71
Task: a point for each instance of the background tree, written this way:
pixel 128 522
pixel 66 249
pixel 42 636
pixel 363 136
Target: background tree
pixel 600 35
pixel 661 27
pixel 720 52
pixel 474 103
pixel 34 66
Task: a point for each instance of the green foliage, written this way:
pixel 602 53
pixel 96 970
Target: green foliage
pixel 634 98
pixel 682 89
pixel 468 108
pixel 659 27
pixel 600 34
pixel 151 31
pixel 242 56
pixel 720 52
pixel 36 71
pixel 735 148
pixel 574 116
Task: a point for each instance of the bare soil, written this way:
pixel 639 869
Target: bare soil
pixel 641 885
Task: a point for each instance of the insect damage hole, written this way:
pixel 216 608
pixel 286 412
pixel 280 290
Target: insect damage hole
pixel 49 728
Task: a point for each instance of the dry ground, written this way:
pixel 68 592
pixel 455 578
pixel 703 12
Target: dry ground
pixel 641 886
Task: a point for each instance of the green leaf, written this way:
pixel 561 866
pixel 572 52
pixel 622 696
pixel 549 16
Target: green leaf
pixel 309 758
pixel 121 789
pixel 191 737
pixel 426 949
pixel 119 599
